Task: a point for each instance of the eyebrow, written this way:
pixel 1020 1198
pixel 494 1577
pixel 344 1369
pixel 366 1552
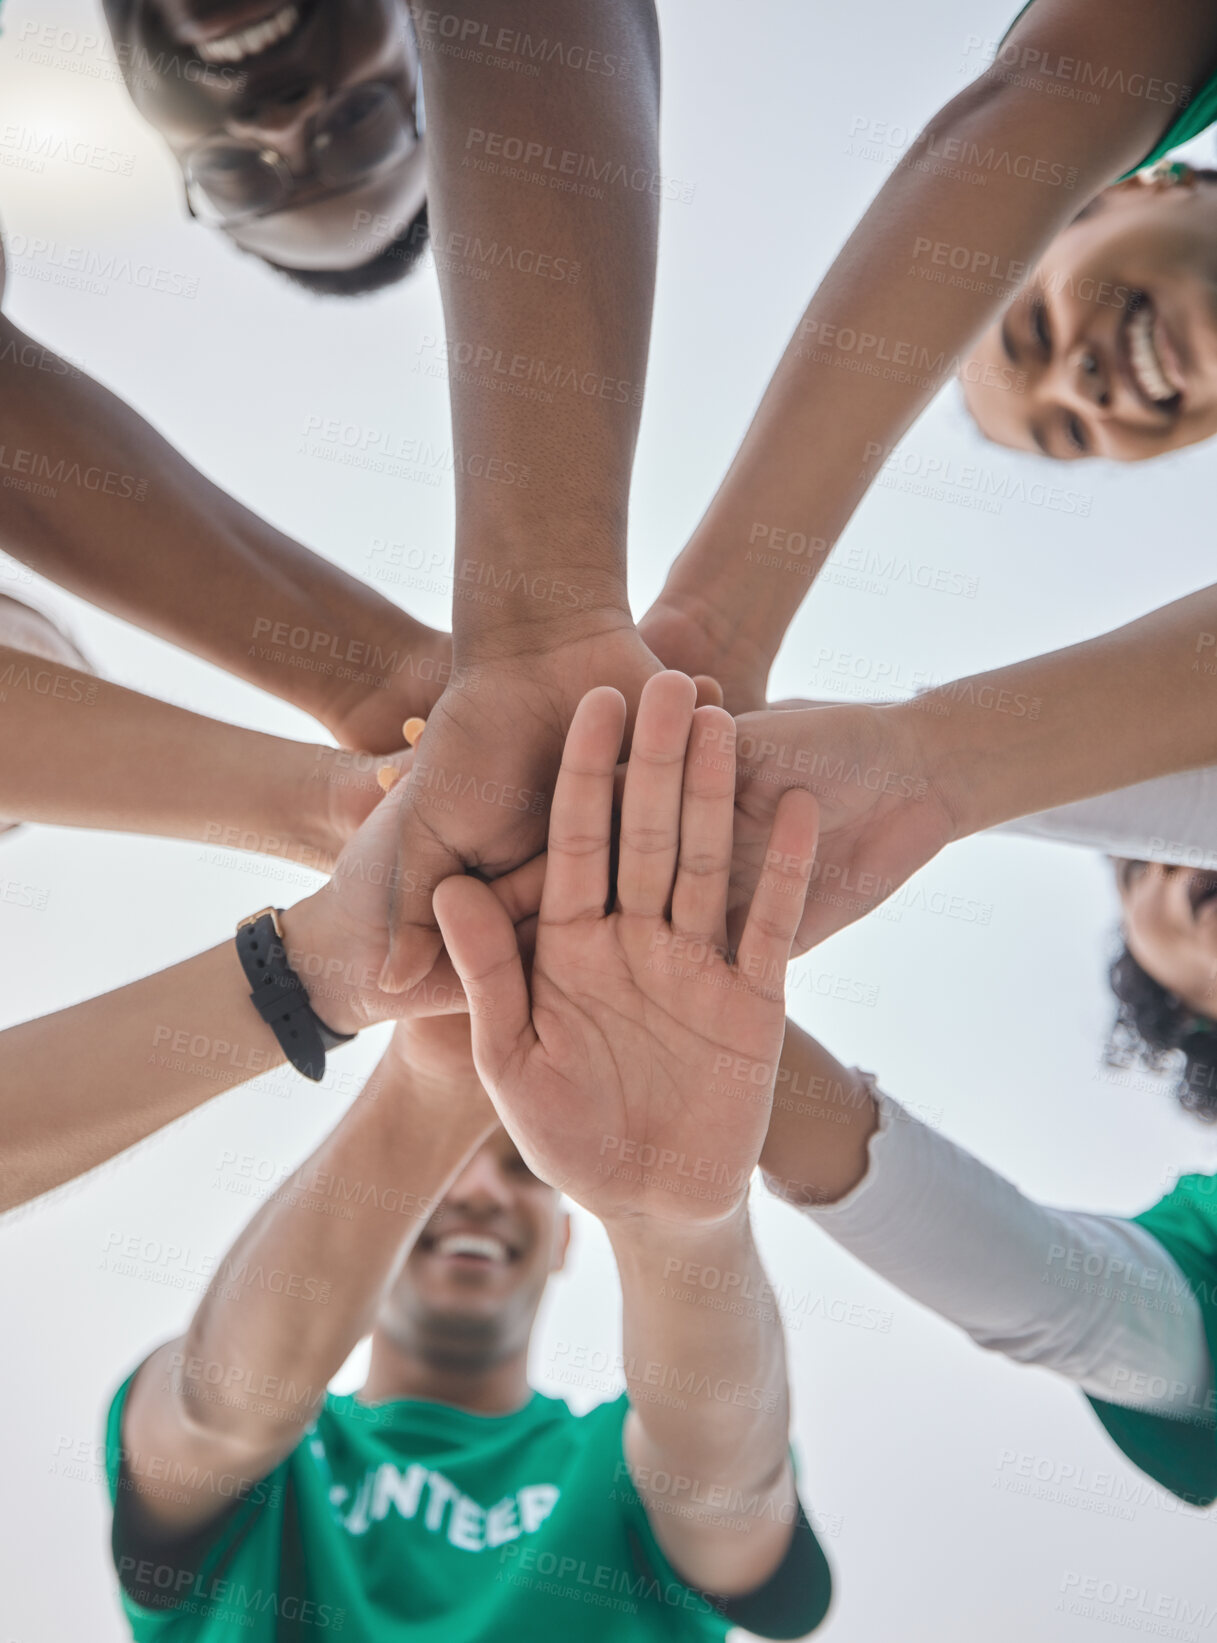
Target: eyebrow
pixel 1036 430
pixel 1012 351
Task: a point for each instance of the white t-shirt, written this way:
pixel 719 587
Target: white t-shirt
pixel 1171 819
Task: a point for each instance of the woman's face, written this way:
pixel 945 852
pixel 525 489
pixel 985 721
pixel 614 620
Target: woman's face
pixel 1170 928
pixel 1113 339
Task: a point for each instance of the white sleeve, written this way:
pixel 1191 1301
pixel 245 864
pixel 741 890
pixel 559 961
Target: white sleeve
pixel 1171 819
pixel 1095 1298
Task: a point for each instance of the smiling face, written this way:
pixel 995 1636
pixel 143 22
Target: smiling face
pixel 294 123
pixel 1170 928
pixel 1114 336
pixel 468 1294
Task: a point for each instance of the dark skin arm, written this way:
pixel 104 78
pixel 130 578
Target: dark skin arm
pixel 132 527
pixel 546 374
pixel 877 342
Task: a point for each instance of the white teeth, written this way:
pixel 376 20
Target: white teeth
pixel 235 48
pixel 1143 358
pixel 470 1243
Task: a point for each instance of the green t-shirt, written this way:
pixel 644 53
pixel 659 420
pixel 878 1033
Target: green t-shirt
pixel 416 1521
pixel 1198 113
pixel 1179 1451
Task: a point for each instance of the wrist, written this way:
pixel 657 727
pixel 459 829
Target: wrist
pixel 645 1240
pixel 933 743
pixel 737 599
pixel 393 670
pixel 521 588
pixel 335 990
pixel 690 631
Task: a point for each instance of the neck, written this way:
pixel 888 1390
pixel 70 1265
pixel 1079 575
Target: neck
pixel 495 1389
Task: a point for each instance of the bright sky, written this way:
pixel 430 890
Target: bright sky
pixel 930 1467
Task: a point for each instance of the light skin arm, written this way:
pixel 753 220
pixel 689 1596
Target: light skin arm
pixel 78 751
pixel 897 782
pixel 89 1081
pixel 403 1140
pixel 547 375
pixel 878 340
pixel 616 1046
pixel 144 535
pixel 823 1117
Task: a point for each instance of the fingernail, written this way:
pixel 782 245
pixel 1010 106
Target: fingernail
pixel 387 775
pixel 412 730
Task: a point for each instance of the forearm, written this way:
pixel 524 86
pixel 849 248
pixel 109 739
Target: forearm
pixel 1039 733
pixel 1093 1298
pixel 77 751
pixel 89 1081
pixel 107 508
pixel 726 1434
pixel 997 173
pixel 336 1232
pixel 545 374
pixel 820 1125
pixel 1170 819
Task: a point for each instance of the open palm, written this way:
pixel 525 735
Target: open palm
pixel 635 1069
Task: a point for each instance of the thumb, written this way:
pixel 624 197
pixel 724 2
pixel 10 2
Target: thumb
pixel 481 942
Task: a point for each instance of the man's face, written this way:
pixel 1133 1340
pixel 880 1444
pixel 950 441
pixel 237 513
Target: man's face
pixel 1113 340
pixel 467 1296
pixel 227 82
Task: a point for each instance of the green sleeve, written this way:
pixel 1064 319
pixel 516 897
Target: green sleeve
pixel 1197 105
pixel 1179 1451
pixel 791 1603
pixel 180 1591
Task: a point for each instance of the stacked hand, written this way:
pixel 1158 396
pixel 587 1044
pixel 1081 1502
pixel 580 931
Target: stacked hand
pixel 338 939
pixel 478 794
pixel 634 1069
pixel 883 813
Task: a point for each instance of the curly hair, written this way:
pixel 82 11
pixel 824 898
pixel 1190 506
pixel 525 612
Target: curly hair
pixel 1158 1030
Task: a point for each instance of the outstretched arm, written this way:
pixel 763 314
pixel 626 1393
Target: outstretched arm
pixel 999 171
pixel 1094 1298
pixel 85 1083
pixel 103 505
pixel 897 782
pixel 402 1141
pixel 607 1070
pixel 546 374
pixel 78 751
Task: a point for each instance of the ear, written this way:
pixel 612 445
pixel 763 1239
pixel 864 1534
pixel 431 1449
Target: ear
pixel 561 1241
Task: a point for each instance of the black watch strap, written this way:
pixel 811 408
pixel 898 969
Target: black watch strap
pixel 280 997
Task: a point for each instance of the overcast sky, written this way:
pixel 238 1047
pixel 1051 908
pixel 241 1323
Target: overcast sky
pixel 930 1467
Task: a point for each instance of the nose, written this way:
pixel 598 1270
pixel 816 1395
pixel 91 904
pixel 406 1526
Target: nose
pixel 1080 378
pixel 282 123
pixel 481 1187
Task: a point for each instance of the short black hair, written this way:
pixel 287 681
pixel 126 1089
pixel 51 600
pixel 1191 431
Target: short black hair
pixel 1202 173
pixel 1158 1030
pixel 386 268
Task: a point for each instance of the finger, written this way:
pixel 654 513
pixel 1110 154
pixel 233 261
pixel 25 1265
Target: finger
pixel 423 861
pixel 707 820
pixel 650 807
pixel 581 816
pixel 520 890
pixel 481 943
pixel 394 767
pixel 781 891
pixel 709 691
